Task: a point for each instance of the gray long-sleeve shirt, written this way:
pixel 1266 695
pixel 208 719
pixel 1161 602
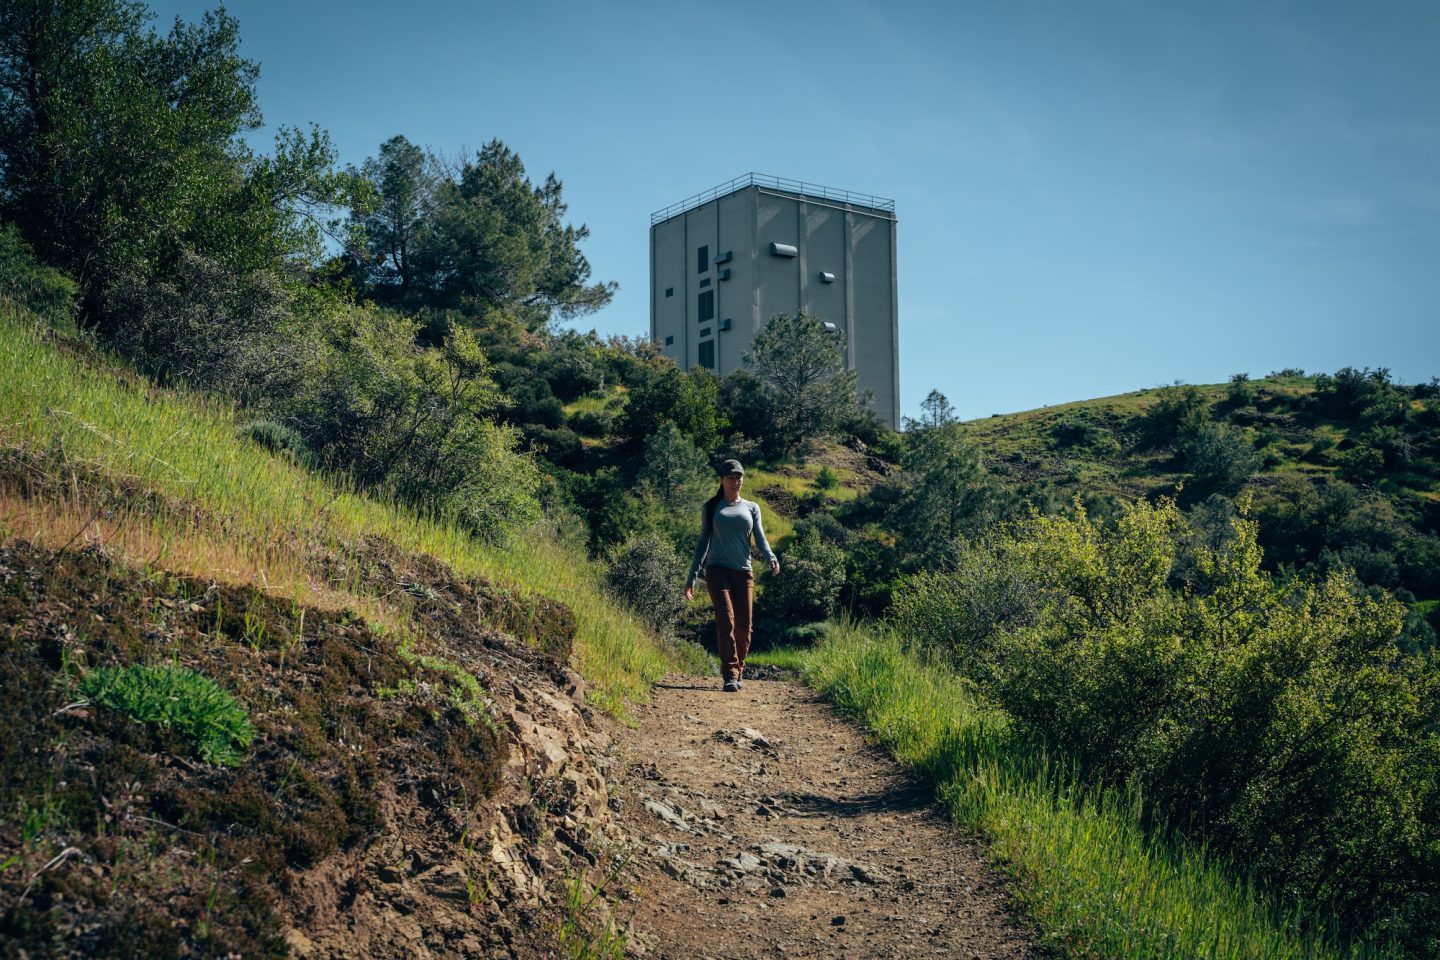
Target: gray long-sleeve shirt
pixel 728 545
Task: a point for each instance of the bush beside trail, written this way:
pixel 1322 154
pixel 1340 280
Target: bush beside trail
pixel 1278 721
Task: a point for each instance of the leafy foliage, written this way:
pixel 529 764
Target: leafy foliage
pixel 690 400
pixel 209 326
pixel 417 421
pixel 674 470
pixel 808 588
pixel 943 492
pixel 644 575
pixel 474 235
pixel 1281 722
pixel 1179 412
pixel 44 291
pixel 121 148
pixel 806 389
pixel 1219 460
pixel 177 700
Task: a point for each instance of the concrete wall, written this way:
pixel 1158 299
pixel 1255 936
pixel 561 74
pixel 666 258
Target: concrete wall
pixel 855 246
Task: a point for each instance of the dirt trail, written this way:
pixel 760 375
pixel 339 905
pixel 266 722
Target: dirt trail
pixel 770 828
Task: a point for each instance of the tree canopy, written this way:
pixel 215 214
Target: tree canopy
pixel 801 368
pixel 120 147
pixel 473 235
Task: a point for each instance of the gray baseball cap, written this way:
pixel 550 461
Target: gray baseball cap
pixel 731 466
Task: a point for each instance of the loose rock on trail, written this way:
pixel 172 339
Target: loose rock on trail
pixel 767 827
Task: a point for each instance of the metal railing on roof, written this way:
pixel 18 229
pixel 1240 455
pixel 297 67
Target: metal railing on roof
pixel 798 187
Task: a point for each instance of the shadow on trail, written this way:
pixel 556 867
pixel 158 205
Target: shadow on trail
pixel 900 800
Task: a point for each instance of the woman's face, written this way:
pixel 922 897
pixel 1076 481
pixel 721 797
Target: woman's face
pixel 732 482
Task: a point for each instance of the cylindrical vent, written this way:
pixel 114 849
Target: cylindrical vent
pixel 826 277
pixel 784 250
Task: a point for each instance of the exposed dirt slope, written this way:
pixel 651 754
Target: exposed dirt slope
pixel 767 827
pixel 427 800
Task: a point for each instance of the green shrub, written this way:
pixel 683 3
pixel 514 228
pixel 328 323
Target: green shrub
pixel 277 438
pixel 1277 721
pixel 1321 446
pixel 646 575
pixel 176 700
pixel 826 479
pixel 417 421
pixel 811 577
pixel 674 470
pixel 961 612
pixel 593 423
pixel 1078 432
pixel 1219 459
pixel 1241 392
pixel 1179 412
pixel 45 292
pixel 210 326
pixel 1362 463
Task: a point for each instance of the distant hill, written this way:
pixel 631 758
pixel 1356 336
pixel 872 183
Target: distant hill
pixel 1341 469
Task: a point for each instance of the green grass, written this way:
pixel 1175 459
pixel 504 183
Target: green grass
pixel 786 658
pixel 266 514
pixel 778 527
pixel 596 403
pixel 1095 883
pixel 798 482
pixel 175 698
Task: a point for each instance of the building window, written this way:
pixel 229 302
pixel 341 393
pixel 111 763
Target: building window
pixel 707 306
pixel 704 332
pixel 702 260
pixel 669 341
pixel 669 291
pixel 704 283
pixel 707 354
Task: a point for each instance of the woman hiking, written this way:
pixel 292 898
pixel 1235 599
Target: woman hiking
pixel 726 525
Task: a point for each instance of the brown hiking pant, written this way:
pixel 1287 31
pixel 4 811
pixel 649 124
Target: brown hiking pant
pixel 732 592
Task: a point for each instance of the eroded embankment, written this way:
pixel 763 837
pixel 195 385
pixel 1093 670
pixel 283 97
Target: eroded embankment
pixel 418 788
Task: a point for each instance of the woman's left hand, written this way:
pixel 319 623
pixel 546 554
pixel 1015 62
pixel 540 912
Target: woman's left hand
pixel 774 566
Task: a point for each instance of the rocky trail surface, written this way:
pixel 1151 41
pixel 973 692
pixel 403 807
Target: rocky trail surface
pixel 765 826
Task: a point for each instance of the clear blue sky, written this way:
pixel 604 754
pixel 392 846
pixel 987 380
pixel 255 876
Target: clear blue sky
pixel 1093 197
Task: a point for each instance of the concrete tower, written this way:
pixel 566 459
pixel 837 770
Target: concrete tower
pixel 725 261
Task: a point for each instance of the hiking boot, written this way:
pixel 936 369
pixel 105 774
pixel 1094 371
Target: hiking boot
pixel 739 683
pixel 732 686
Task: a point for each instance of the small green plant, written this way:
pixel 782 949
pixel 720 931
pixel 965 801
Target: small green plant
pixel 253 627
pixel 827 479
pixel 179 700
pixel 581 936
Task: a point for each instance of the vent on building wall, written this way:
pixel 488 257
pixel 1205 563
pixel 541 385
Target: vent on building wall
pixel 783 250
pixel 830 327
pixel 826 277
pixel 724 324
pixel 723 256
pixel 724 273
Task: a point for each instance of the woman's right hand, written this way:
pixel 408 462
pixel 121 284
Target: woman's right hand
pixel 689 593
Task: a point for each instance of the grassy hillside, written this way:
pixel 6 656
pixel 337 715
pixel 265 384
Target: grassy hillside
pixel 236 682
pixel 1343 470
pixel 1099 447
pixel 167 479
